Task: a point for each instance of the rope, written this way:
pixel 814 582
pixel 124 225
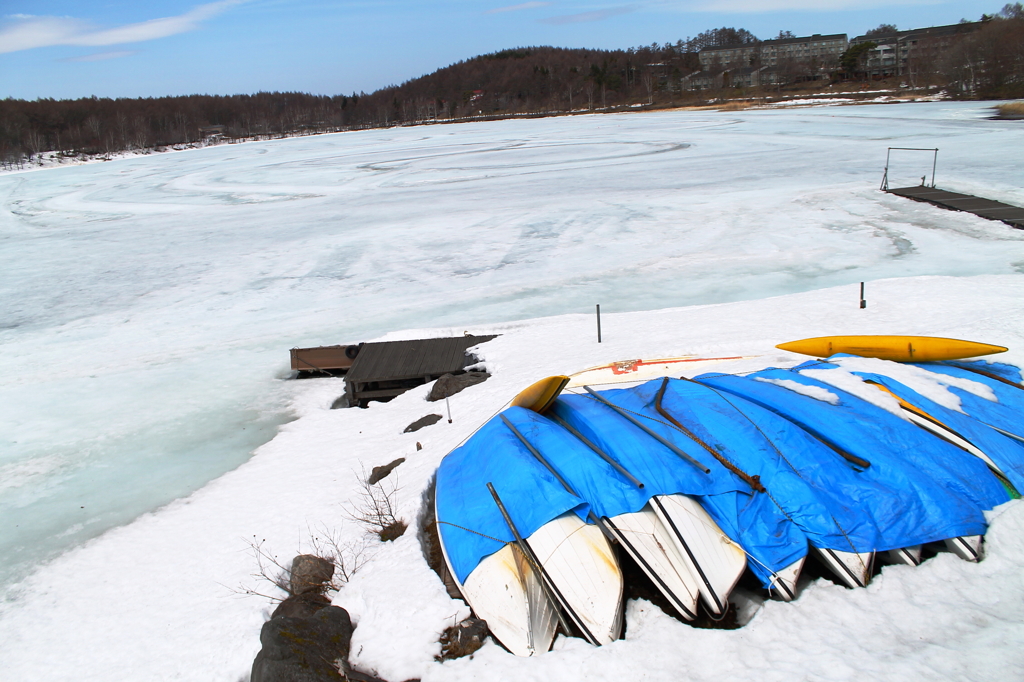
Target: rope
pixel 753 481
pixel 475 532
pixel 795 470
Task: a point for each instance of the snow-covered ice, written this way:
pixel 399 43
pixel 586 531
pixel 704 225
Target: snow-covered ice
pixel 148 305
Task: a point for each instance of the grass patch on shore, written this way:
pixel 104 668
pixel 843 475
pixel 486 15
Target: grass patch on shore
pixel 1011 108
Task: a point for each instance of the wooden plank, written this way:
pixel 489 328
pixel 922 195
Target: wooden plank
pixel 979 206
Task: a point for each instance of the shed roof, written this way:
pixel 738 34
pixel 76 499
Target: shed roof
pixel 394 360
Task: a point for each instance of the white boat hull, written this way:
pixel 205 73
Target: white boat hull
pixel 852 568
pixel 911 556
pixel 711 557
pixel 505 591
pixel 967 547
pixel 651 545
pixel 584 575
pixel 783 583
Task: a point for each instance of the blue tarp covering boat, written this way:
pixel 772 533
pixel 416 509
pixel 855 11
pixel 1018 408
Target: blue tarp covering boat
pixel 1005 452
pixel 752 520
pixel 469 522
pixel 1006 413
pixel 942 490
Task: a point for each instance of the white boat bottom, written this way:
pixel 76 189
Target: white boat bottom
pixel 505 591
pixel 967 547
pixel 852 568
pixel 783 583
pixel 650 544
pixel 911 556
pixel 710 556
pixel 583 574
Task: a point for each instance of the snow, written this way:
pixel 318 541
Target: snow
pixel 148 305
pixel 816 392
pixel 854 385
pixel 931 385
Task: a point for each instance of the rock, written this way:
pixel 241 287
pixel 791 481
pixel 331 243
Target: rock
pixel 310 574
pixel 377 474
pixel 462 639
pixel 421 422
pixel 450 384
pixel 301 605
pixel 304 649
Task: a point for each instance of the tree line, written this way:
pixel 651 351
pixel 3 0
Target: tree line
pixel 988 62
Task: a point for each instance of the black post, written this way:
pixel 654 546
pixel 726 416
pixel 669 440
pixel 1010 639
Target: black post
pixel 863 303
pixel 599 323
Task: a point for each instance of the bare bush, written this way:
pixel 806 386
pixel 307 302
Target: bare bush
pixel 347 557
pixel 374 509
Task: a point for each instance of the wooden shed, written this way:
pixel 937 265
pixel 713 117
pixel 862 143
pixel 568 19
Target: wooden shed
pixel 382 370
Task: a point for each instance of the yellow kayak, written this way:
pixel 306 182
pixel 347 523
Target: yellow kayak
pixel 539 396
pixel 898 348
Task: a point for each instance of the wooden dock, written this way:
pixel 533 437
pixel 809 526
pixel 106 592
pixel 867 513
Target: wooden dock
pixel 382 370
pixel 985 208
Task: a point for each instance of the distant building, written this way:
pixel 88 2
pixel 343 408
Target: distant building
pixel 896 53
pixel 211 131
pixel 819 48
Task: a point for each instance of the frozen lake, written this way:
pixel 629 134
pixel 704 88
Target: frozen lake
pixel 147 305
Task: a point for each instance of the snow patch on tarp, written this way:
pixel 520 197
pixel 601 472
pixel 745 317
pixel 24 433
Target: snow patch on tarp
pixel 930 384
pixel 815 392
pixel 854 385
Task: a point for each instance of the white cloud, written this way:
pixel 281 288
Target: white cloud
pixel 28 32
pixel 597 15
pixel 516 8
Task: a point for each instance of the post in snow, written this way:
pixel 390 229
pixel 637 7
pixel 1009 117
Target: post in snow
pixel 863 303
pixel 599 323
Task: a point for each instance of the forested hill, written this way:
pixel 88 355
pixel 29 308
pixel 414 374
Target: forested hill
pixel 533 79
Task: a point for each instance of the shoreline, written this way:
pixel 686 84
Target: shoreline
pixel 51 159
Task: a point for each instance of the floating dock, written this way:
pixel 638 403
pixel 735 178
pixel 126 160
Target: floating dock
pixel 985 208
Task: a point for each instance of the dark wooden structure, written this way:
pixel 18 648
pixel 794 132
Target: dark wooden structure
pixel 986 208
pixel 380 371
pixel 325 360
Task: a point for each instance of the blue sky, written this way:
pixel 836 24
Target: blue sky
pixel 120 48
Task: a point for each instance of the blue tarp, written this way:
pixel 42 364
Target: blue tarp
pixel 1000 369
pixel 1007 413
pixel 1006 453
pixel 940 490
pixel 469 522
pixel 825 501
pixel 751 519
pixel 592 478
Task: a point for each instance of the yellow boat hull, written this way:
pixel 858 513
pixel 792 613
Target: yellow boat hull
pixel 539 396
pixel 897 348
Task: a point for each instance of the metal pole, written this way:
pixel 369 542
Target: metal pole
pixel 545 582
pixel 600 453
pixel 935 160
pixel 885 174
pixel 599 323
pixel 636 422
pixel 863 303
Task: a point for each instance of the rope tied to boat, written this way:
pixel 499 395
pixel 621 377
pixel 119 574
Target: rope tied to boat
pixel 753 481
pixel 795 470
pixel 470 530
